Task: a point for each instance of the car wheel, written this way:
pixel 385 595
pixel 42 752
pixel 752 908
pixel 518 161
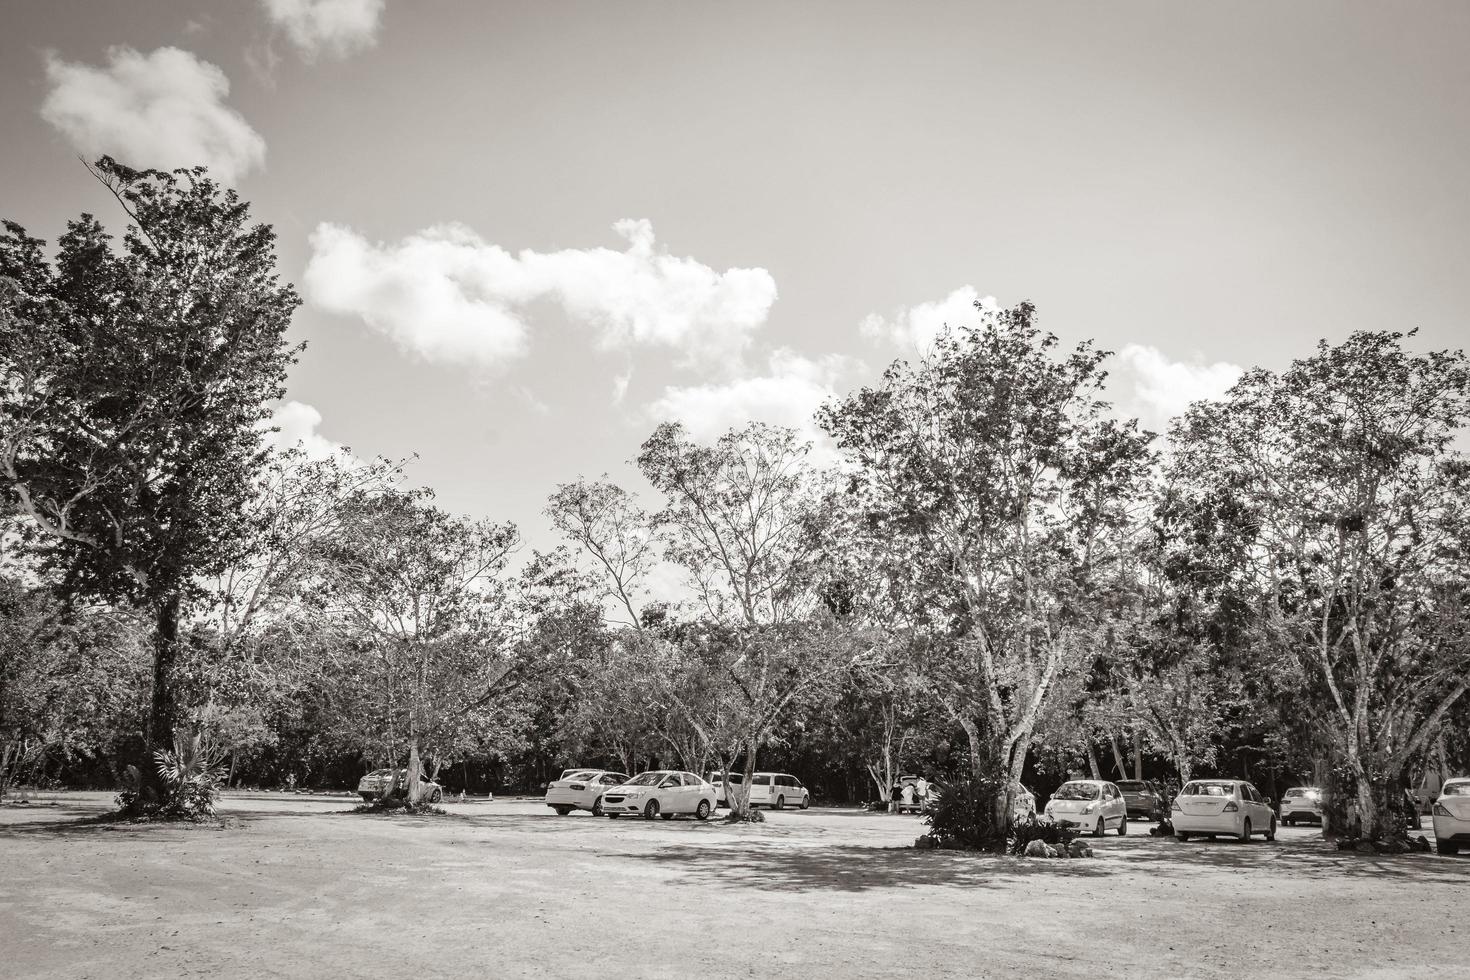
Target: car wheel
pixel 368 797
pixel 666 816
pixel 597 807
pixel 1123 827
pixel 1289 821
pixel 1181 835
pixel 702 813
pixel 613 816
pixel 806 801
pixel 1102 825
pixel 780 803
pixel 1446 847
pixel 438 795
pixel 1271 833
pixel 651 810
pixel 562 811
pixel 1245 831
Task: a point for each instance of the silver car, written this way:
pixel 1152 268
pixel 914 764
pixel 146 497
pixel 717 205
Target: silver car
pixel 370 787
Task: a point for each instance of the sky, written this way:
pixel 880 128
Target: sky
pixel 527 233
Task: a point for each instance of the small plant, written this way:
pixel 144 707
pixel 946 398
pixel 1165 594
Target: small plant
pixel 1043 829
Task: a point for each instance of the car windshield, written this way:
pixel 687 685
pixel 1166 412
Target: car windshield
pixel 1077 791
pixel 1208 789
pixel 1132 786
pixel 1457 789
pixel 647 779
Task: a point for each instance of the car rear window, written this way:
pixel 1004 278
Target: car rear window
pixel 1457 789
pixel 1208 789
pixel 1132 786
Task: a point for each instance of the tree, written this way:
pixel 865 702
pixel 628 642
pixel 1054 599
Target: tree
pixel 1003 490
pixel 602 520
pixel 132 385
pixel 420 656
pixel 71 679
pixel 1336 490
pixel 745 519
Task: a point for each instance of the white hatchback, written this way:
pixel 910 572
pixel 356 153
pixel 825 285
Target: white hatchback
pixel 1215 807
pixel 1452 816
pixel 581 789
pixel 1089 804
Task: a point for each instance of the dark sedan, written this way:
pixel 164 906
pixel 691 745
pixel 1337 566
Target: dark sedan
pixel 1145 798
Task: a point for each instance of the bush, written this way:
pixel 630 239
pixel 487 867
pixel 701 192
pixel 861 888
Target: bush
pixel 1043 829
pixel 969 813
pixel 192 775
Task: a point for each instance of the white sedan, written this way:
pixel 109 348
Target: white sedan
pixel 581 789
pixel 1215 807
pixel 661 793
pixel 1452 816
pixel 1089 804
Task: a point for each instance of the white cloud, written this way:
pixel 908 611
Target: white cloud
pixel 1163 388
pixel 338 27
pixel 788 395
pixel 917 326
pixel 297 424
pixel 165 110
pixel 448 296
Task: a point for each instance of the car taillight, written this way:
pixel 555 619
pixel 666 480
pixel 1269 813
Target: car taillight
pixel 1231 807
pixel 1440 810
pixel 1176 808
pixel 577 786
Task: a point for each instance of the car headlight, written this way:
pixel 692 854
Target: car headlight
pixel 1089 808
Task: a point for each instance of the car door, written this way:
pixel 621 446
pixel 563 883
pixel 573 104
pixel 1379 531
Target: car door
pixel 1117 807
pixel 1260 811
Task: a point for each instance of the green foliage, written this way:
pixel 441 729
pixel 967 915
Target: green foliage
pixel 191 777
pixel 970 812
pixel 1043 829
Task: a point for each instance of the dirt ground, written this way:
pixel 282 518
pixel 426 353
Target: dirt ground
pixel 302 888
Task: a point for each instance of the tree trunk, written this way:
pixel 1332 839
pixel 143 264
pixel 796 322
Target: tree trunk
pixel 415 771
pixel 1137 754
pixel 162 711
pixel 738 796
pixel 1118 762
pixel 1092 761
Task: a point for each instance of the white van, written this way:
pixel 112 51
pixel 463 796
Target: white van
pixel 778 790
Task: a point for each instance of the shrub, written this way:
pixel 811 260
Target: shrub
pixel 1043 829
pixel 192 774
pixel 970 813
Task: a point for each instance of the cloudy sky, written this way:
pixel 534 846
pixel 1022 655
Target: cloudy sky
pixel 528 232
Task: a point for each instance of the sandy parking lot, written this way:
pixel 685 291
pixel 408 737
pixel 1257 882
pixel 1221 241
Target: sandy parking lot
pixel 303 888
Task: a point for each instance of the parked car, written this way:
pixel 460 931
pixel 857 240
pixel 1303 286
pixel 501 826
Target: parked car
pixel 1211 807
pixel 581 789
pixel 370 787
pixel 1452 816
pixel 660 793
pixel 1145 798
pixel 717 780
pixel 778 790
pixel 1089 804
pixel 1301 803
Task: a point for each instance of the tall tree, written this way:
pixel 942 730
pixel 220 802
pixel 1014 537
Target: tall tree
pixel 1002 486
pixel 423 656
pixel 1337 489
pixel 133 381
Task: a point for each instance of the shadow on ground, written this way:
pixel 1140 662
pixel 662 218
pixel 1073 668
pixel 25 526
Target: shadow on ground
pixel 850 869
pixel 1310 857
